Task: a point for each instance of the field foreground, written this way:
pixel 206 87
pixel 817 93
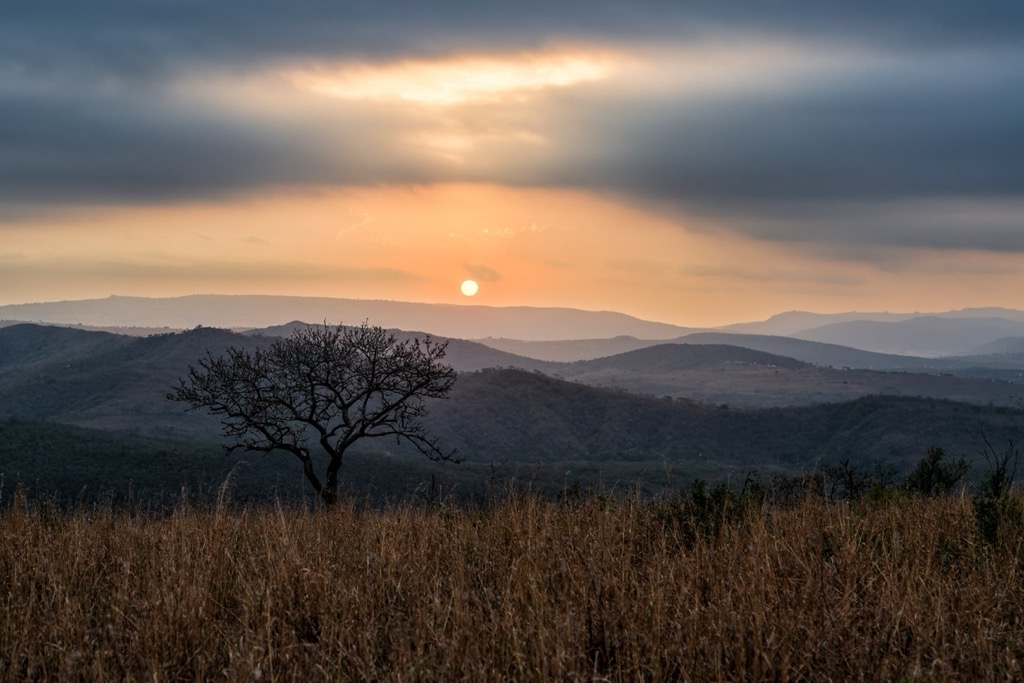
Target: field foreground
pixel 525 590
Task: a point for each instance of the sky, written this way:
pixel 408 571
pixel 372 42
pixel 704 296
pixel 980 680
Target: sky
pixel 699 163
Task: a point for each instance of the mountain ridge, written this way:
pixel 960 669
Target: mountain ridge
pixel 593 333
pixel 523 422
pixel 927 335
pixel 463 321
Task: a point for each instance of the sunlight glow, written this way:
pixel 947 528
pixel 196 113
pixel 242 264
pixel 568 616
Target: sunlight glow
pixel 525 246
pixel 456 80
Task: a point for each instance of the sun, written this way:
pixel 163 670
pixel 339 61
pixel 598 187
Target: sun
pixel 469 287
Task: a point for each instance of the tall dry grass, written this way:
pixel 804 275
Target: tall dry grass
pixel 526 590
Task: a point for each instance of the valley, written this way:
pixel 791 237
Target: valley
pixel 88 409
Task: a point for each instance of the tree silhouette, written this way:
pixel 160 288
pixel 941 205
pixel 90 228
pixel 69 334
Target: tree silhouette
pixel 331 386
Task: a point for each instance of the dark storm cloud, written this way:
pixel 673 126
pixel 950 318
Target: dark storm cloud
pixel 83 150
pixel 840 141
pixel 83 116
pixel 71 145
pixel 145 37
pixel 827 160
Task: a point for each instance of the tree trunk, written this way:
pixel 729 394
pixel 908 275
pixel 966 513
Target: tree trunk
pixel 329 492
pixel 307 469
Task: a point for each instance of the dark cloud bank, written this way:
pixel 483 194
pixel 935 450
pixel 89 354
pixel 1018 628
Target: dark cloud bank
pixel 83 118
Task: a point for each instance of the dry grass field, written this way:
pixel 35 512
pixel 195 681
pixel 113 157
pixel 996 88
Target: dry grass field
pixel 528 590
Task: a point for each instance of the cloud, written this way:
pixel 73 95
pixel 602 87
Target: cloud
pixel 947 224
pixel 768 275
pixel 482 273
pixel 892 126
pixel 848 124
pixel 148 39
pixel 454 80
pixel 169 270
pixel 866 156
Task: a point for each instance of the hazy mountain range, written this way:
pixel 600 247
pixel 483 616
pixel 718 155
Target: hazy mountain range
pixel 245 312
pixel 697 403
pixel 543 331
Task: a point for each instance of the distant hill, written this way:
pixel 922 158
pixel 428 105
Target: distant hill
pixel 1001 346
pixel 791 322
pixel 243 312
pixel 74 403
pixel 524 429
pixel 794 322
pixel 552 334
pixel 921 336
pixel 26 345
pixel 741 377
pixel 462 355
pixel 515 416
pixel 834 355
pixel 108 381
pixel 987 312
pixel 93 379
pixel 666 358
pixel 569 350
pixel 545 433
pixel 819 353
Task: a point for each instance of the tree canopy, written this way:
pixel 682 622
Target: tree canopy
pixel 326 386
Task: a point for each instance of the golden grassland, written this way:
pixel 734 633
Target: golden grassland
pixel 526 589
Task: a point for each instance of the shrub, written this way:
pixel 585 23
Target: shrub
pixel 932 477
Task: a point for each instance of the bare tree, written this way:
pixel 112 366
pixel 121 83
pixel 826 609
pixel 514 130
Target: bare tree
pixel 331 386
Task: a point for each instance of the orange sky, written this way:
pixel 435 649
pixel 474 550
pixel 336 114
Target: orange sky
pixel 699 182
pixel 523 246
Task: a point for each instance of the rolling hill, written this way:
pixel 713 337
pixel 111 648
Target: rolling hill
pixel 1004 346
pixel 530 416
pixel 569 350
pixel 794 322
pixel 109 381
pixel 921 336
pixel 462 355
pixel 818 353
pixel 510 424
pixel 525 429
pixel 245 312
pixel 24 346
pixel 741 377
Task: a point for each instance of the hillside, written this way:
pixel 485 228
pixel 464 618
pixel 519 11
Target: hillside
pixel 922 336
pixel 108 381
pixel 790 322
pixel 509 424
pixel 23 346
pixel 818 353
pixel 462 355
pixel 523 427
pixel 538 332
pixel 741 377
pixel 1003 346
pixel 667 358
pixel 87 465
pixel 117 386
pixel 794 322
pixel 1006 353
pixel 114 382
pixel 514 415
pixel 569 350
